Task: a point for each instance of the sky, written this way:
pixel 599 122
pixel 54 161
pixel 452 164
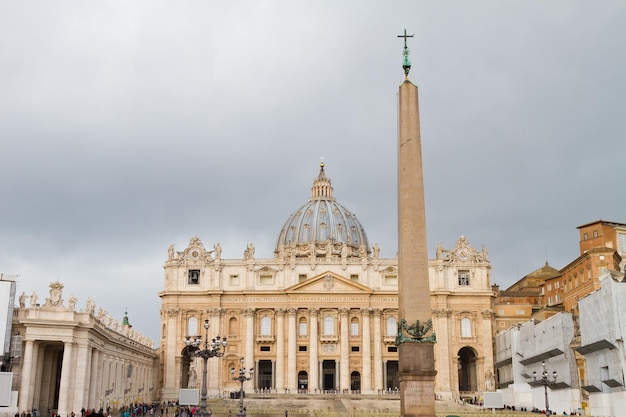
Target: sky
pixel 129 126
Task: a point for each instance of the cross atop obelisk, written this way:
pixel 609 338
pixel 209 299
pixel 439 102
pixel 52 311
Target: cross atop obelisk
pixel 406 64
pixel 415 338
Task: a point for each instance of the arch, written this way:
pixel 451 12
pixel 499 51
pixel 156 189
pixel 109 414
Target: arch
pixel 303 381
pixel 185 366
pixel 467 365
pixel 355 381
pixel 233 327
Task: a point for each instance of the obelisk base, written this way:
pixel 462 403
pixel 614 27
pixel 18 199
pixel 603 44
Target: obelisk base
pixel 417 379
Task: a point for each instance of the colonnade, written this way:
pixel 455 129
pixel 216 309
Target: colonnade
pixel 69 375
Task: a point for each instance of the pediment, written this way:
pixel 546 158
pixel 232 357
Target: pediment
pixel 329 282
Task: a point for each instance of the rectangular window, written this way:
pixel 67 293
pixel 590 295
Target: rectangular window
pixel 621 242
pixel 585 236
pixel 391 280
pixel 520 312
pixel 392 349
pixel 549 287
pixel 354 277
pixel 265 348
pixel 549 300
pixel 302 328
pixel 464 278
pixel 595 233
pixel 233 280
pixel 266 280
pixel 354 348
pixel 556 285
pixel 193 277
pixel 301 348
pixel 301 277
pixel 466 327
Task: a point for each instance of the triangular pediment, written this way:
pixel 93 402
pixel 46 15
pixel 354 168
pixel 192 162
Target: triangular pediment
pixel 329 282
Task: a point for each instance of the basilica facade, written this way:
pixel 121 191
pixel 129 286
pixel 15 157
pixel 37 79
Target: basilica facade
pixel 322 314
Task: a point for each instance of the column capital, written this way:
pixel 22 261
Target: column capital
pixel 280 312
pixel 215 311
pixel 249 312
pixel 172 312
pixel 366 311
pixel 377 312
pixel 314 311
pixel 292 311
pixel 344 312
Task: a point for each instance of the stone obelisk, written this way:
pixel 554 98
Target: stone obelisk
pixel 415 337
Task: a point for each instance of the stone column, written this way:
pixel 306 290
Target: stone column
pixel 173 346
pixel 81 376
pixel 344 369
pixel 213 365
pixel 279 375
pixel 249 314
pixel 416 360
pixel 313 355
pixel 66 375
pixel 366 375
pixel 292 334
pixel 378 351
pixel 95 380
pixel 27 383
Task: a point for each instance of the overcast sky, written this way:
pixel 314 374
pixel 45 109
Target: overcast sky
pixel 129 126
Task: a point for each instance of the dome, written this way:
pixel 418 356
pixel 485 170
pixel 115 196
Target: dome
pixel 323 225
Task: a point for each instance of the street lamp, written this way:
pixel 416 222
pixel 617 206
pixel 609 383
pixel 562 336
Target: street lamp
pixel 241 378
pixel 545 381
pixel 215 345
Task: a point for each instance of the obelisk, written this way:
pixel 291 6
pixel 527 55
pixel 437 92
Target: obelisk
pixel 415 337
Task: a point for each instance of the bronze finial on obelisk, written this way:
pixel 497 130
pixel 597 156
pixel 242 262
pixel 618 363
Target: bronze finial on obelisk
pixel 415 338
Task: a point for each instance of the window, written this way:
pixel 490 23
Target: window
pixel 193 277
pixel 329 326
pixel 466 327
pixel 549 287
pixel 392 349
pixel 354 327
pixel 301 348
pixel 556 285
pixel 302 331
pixel 233 280
pixel 266 280
pixel 621 242
pixel 354 277
pixel 391 280
pixel 354 348
pixel 557 298
pixel 520 312
pixel 595 233
pixel 301 277
pixel 585 236
pixel 192 326
pixel 265 348
pixel 392 328
pixel 549 300
pixel 266 326
pixel 464 278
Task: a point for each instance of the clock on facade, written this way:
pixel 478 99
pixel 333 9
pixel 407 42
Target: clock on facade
pixel 463 254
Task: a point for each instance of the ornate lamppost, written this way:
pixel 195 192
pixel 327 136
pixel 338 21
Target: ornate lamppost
pixel 241 377
pixel 546 382
pixel 211 349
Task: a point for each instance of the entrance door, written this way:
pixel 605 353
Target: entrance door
pixel 355 381
pixel 265 374
pixel 467 370
pixel 392 375
pixel 303 381
pixel 328 374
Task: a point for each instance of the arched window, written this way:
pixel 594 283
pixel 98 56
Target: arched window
pixel 192 326
pixel 329 325
pixel 466 327
pixel 266 326
pixel 391 326
pixel 354 327
pixel 302 331
pixel 232 327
